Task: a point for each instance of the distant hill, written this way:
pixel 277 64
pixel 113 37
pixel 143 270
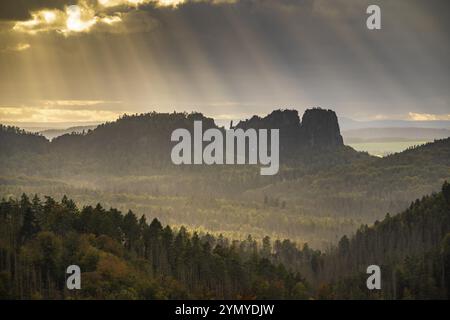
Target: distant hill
pixel 53 133
pixel 142 141
pixel 321 192
pixel 394 134
pixel 367 187
pixel 17 141
pixel 350 124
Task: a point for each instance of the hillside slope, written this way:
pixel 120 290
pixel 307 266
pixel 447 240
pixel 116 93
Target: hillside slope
pixel 320 193
pixel 412 249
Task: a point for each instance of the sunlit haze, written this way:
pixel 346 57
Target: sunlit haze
pixel 80 62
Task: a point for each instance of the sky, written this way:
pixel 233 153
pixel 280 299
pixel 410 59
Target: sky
pixel 76 62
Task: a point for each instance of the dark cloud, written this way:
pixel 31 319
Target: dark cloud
pixel 250 56
pixel 19 10
pixel 319 51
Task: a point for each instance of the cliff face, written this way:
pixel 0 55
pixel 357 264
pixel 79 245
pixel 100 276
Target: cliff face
pixel 319 128
pixel 278 119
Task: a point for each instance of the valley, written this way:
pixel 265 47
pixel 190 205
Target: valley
pixel 321 192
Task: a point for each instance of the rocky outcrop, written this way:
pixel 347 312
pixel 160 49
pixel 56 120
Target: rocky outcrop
pixel 143 141
pixel 319 128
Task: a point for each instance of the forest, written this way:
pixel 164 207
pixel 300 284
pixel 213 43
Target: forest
pixel 123 257
pixel 306 233
pixel 323 190
pixel 412 248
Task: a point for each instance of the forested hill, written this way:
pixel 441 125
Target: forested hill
pixel 318 195
pixel 142 141
pixel 15 141
pixel 412 249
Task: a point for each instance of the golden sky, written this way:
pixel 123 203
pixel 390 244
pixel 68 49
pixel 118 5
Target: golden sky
pixel 87 61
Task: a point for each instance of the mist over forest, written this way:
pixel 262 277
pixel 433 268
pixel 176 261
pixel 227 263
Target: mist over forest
pixel 328 212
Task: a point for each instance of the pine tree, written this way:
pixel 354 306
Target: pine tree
pixel 30 226
pixel 446 191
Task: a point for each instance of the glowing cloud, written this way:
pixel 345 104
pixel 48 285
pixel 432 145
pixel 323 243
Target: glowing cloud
pixel 74 19
pixel 53 115
pixel 164 3
pixel 17 48
pixel 427 117
pixel 87 15
pixel 76 23
pixel 49 16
